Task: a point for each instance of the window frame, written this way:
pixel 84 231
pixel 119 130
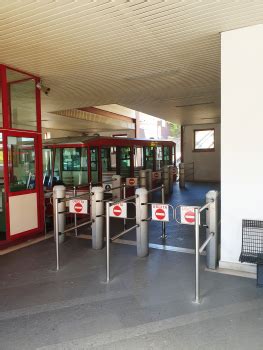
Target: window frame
pixel 203 149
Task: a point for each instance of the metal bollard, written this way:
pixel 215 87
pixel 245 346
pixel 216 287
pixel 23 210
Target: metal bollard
pixel 181 176
pixel 164 236
pixel 197 257
pixel 166 180
pixel 116 182
pixel 142 235
pixel 97 210
pixel 59 220
pixel 212 223
pixel 75 215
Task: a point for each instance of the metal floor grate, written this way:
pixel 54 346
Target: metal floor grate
pixel 252 242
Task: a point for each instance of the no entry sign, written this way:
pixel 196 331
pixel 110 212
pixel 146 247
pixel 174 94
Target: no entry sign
pixel 156 175
pixel 78 206
pixel 131 181
pixel 160 212
pixel 188 215
pixel 118 210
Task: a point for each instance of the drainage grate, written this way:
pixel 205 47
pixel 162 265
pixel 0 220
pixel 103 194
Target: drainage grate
pixel 252 242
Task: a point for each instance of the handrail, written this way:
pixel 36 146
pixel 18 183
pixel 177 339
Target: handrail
pixel 124 232
pixel 60 200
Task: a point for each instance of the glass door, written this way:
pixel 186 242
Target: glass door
pixel 23 187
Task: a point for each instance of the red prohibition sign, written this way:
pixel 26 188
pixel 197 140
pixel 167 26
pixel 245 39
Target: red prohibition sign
pixel 156 175
pixel 131 181
pixel 160 214
pixel 117 210
pixel 189 217
pixel 78 207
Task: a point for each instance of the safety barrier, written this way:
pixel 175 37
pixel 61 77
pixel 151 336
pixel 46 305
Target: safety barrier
pixel 186 171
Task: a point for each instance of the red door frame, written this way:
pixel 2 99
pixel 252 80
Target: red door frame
pixel 6 131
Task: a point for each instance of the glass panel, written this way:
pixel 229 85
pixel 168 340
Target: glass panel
pixel 173 155
pixel 166 155
pixel 204 139
pixel 57 176
pixel 21 163
pixel 23 105
pixel 2 193
pixel 149 157
pixel 159 157
pixel 107 171
pixel 47 167
pixel 74 165
pixel 125 161
pixel 138 160
pixel 94 166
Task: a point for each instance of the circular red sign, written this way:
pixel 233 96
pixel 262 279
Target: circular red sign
pixel 189 217
pixel 160 214
pixel 117 210
pixel 156 175
pixel 131 181
pixel 78 207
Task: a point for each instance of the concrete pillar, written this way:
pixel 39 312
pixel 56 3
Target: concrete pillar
pixel 59 192
pixel 212 223
pixel 97 210
pixel 142 234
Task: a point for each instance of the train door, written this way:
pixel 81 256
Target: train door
pixel 94 165
pixel 149 157
pixel 106 167
pixel 159 157
pixel 74 166
pixel 138 160
pixel 166 155
pixel 124 160
pixel 23 188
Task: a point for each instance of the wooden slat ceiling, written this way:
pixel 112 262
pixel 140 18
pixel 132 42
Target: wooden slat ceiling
pixel 159 57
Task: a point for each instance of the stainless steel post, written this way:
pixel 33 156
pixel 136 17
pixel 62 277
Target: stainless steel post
pixel 97 211
pixel 116 182
pixel 212 223
pixel 107 242
pixel 163 223
pixel 124 197
pixel 75 215
pixel 59 192
pixel 56 229
pixel 149 184
pixel 142 235
pixel 197 257
pixel 181 176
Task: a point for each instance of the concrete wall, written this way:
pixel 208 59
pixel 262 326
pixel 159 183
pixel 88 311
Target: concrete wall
pixel 207 164
pixel 242 138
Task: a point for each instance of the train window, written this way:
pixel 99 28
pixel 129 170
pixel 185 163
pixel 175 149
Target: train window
pixel 94 168
pixel 166 155
pixel 149 153
pixel 113 158
pixel 173 155
pixel 21 163
pixel 74 166
pixel 138 160
pixel 125 161
pixel 57 166
pixel 159 157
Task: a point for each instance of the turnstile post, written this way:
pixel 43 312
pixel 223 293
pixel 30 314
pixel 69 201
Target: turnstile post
pixel 212 223
pixel 142 234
